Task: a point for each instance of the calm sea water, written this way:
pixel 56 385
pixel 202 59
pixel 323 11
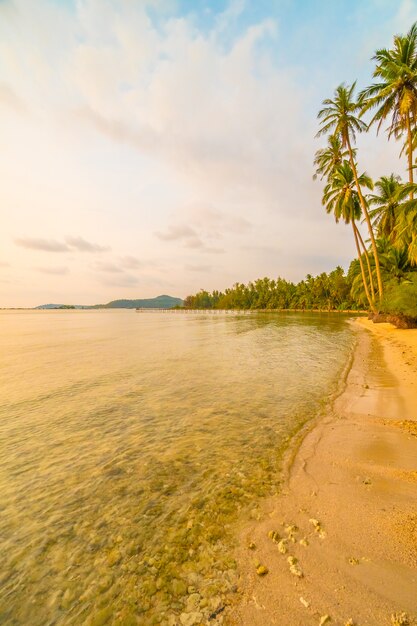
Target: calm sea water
pixel 129 444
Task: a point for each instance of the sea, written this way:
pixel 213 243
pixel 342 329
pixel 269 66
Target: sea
pixel 132 444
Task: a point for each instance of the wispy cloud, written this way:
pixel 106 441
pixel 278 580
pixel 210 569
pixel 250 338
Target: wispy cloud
pixel 183 233
pixel 119 131
pixel 214 250
pixel 4 264
pixel 46 245
pixel 177 231
pixel 216 224
pixel 71 244
pixel 111 268
pixel 78 243
pixel 59 271
pixel 131 262
pixel 10 99
pixel 204 226
pixel 124 280
pixel 198 268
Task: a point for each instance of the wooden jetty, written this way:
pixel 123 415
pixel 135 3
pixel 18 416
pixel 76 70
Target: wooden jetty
pixel 245 311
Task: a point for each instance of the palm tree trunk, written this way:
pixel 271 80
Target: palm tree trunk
pixel 368 219
pixel 371 280
pixel 410 155
pixel 365 284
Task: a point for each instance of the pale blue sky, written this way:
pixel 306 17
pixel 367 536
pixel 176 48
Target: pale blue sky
pixel 160 147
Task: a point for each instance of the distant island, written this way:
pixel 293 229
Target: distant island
pixel 160 302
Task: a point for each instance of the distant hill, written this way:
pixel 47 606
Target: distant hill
pixel 160 302
pixel 62 306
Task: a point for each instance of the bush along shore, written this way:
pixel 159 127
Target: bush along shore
pixel 383 277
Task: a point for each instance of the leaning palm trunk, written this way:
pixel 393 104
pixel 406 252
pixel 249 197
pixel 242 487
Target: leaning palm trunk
pixel 365 283
pixel 368 262
pixel 368 219
pixel 410 155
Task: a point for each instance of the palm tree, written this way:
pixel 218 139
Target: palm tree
pixel 386 203
pixel 342 199
pixel 396 93
pixel 406 222
pixel 340 116
pixel 394 261
pixel 327 159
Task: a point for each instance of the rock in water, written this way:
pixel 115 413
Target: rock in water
pixel 190 619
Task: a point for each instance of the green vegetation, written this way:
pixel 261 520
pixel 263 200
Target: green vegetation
pixel 383 277
pixel 326 291
pixel 160 302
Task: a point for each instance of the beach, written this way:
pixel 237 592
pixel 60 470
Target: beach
pixel 340 541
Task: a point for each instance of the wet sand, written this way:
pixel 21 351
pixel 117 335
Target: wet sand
pixel 351 493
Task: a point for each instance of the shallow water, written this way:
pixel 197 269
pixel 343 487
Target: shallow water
pixel 129 444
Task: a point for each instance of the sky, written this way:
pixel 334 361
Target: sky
pixel 164 146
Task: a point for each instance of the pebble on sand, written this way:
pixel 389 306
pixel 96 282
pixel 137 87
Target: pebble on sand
pixel 400 619
pixel 282 546
pixel 294 567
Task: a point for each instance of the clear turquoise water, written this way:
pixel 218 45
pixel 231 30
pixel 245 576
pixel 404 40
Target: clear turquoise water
pixel 131 442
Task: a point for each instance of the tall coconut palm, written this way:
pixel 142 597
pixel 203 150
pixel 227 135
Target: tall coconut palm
pixel 340 116
pixel 341 198
pixel 396 93
pixel 327 159
pixel 386 203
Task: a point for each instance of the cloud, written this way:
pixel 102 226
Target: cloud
pixel 214 250
pixel 183 233
pixel 10 99
pixel 204 225
pixel 46 245
pixel 78 243
pixel 183 112
pixel 59 271
pixel 272 251
pixel 51 245
pixel 198 268
pixel 124 280
pixel 111 268
pixel 175 232
pixel 116 130
pixel 216 223
pixel 4 264
pixel 131 262
pixel 213 112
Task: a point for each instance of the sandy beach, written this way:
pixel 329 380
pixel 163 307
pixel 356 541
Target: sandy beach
pixel 345 545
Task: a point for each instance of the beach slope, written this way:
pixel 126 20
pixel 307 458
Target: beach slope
pixel 345 549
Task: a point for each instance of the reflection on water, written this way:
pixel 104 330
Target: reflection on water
pixel 129 444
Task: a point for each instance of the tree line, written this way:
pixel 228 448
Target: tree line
pixel 325 291
pixel 383 277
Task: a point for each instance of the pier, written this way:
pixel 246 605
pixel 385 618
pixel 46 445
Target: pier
pixel 246 311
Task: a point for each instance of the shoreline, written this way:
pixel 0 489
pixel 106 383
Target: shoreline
pixel 350 490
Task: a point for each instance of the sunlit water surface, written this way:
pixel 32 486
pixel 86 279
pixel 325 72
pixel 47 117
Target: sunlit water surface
pixel 129 444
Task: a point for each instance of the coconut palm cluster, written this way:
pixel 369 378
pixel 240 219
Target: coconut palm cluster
pixel 385 272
